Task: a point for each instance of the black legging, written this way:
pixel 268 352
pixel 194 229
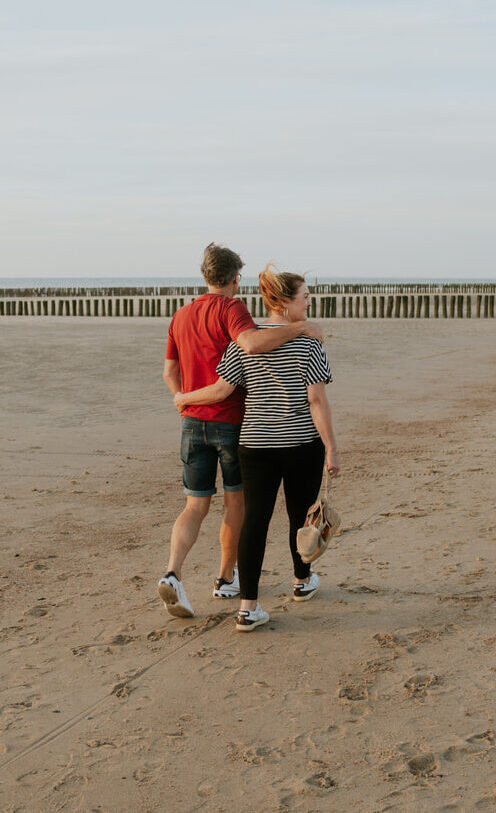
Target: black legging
pixel 300 469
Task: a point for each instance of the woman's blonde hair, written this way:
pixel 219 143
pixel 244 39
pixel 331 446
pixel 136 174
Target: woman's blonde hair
pixel 279 288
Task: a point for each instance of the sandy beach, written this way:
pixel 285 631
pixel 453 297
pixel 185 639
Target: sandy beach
pixel 378 695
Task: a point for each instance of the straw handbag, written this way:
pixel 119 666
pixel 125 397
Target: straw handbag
pixel 321 524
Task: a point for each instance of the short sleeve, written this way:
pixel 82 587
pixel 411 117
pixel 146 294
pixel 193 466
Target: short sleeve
pixel 230 367
pixel 238 319
pixel 171 351
pixel 318 369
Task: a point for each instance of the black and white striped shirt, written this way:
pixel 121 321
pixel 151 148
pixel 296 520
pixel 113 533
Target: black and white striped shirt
pixel 277 412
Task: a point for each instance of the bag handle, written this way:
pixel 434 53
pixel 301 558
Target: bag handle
pixel 326 487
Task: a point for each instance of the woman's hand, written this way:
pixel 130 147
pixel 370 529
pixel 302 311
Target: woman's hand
pixel 332 461
pixel 180 401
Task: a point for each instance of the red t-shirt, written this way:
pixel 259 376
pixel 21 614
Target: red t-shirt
pixel 198 335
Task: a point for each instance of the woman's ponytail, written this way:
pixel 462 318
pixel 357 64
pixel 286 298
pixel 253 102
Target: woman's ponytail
pixel 279 288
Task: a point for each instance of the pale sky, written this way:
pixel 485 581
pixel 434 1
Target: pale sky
pixel 342 138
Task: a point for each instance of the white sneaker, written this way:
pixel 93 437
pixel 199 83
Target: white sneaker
pixel 173 594
pixel 303 591
pixel 223 589
pixel 247 620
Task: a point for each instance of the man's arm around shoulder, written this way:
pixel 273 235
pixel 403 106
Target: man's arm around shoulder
pixel 263 341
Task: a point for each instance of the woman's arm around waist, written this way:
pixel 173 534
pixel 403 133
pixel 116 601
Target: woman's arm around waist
pixel 212 394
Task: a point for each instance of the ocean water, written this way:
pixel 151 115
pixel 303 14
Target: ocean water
pixel 152 282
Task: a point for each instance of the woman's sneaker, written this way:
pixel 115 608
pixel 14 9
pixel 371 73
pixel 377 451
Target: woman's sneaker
pixel 173 594
pixel 247 620
pixel 224 589
pixel 303 591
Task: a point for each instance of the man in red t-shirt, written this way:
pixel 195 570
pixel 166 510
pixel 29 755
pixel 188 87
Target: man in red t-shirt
pixel 198 336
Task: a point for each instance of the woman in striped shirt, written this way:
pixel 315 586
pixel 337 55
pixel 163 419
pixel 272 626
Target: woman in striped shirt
pixel 286 435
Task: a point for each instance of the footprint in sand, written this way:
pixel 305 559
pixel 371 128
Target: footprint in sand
pixel 423 765
pixel 136 581
pixel 303 740
pixel 253 755
pixel 474 575
pixel 158 635
pixel 103 646
pixel 360 588
pixel 37 612
pixel 456 752
pixel 205 624
pixel 68 780
pixel 121 639
pixel 131 545
pixel 486 737
pixel 205 652
pixel 7 631
pixel 315 784
pixel 321 779
pixel 389 640
pixel 487 802
pixel 22 705
pixel 394 768
pixel 100 744
pixel 143 774
pixel 122 690
pixel 476 743
pixel 206 788
pixel 417 685
pixel 353 693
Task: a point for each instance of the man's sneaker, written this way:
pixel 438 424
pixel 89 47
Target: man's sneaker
pixel 305 590
pixel 247 620
pixel 224 589
pixel 173 594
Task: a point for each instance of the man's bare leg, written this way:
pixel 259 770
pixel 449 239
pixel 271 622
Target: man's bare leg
pixel 234 504
pixel 185 531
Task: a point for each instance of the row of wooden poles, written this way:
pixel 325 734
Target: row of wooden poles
pixel 248 290
pixel 409 306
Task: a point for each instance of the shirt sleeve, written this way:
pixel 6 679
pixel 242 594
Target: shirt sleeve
pixel 238 319
pixel 171 351
pixel 318 368
pixel 230 367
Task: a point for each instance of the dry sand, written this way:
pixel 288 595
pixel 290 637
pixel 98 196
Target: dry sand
pixel 377 695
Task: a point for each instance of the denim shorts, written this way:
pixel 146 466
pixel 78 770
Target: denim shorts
pixel 202 444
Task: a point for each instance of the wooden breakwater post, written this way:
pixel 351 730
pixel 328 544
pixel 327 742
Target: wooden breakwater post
pixel 448 301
